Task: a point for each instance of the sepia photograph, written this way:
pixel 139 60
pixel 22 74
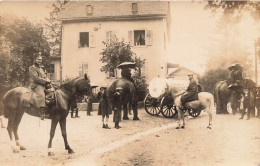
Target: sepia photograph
pixel 129 83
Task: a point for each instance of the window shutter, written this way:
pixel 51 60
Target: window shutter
pixel 130 37
pixel 78 43
pixel 108 37
pixel 113 36
pixel 149 38
pixel 92 40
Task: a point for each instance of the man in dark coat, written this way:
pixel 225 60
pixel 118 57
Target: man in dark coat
pixel 38 81
pixel 190 91
pixel 104 108
pixel 116 107
pixel 248 99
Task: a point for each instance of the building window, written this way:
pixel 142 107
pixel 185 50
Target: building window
pixel 89 10
pixel 83 68
pixel 111 37
pixel 139 37
pixel 52 72
pixel 83 39
pixel 112 73
pixel 134 8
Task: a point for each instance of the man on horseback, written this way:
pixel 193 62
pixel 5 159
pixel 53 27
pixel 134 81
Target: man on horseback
pixel 38 83
pixel 126 73
pixel 190 91
pixel 236 76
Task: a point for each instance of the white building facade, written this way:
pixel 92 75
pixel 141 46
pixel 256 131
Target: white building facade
pixel 144 25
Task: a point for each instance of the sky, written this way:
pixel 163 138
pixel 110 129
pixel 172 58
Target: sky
pixel 191 30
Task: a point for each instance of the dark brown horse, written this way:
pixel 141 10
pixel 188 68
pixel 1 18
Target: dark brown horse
pixel 15 105
pixel 127 95
pixel 223 93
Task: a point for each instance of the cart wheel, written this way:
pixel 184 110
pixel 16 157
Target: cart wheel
pixel 167 108
pixel 151 105
pixel 194 113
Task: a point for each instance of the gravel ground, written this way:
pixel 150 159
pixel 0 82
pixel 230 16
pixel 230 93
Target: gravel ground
pixel 150 141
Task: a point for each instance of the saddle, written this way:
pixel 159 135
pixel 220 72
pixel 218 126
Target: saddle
pixel 192 98
pixel 29 98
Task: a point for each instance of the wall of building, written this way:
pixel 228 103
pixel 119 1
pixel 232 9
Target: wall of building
pixel 73 56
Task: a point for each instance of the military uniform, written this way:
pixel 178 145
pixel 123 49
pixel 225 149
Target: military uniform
pixel 116 107
pixel 37 82
pixel 190 91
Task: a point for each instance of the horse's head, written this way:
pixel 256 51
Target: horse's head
pixel 82 86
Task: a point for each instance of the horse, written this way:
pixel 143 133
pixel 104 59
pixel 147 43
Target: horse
pixel 222 95
pixel 16 103
pixel 127 96
pixel 160 87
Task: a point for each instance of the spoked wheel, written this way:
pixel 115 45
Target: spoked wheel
pixel 151 105
pixel 194 113
pixel 167 108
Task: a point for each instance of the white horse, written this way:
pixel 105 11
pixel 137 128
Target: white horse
pixel 205 100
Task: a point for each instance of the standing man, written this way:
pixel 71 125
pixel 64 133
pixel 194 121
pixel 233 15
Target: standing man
pixel 190 91
pixel 38 81
pixel 104 107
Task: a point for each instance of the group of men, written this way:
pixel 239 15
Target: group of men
pixel 39 83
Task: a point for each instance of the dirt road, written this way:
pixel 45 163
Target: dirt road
pixel 151 141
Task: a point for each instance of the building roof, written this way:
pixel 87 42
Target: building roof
pixel 77 10
pixel 179 71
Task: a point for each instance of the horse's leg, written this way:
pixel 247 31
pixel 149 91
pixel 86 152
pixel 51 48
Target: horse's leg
pixel 130 108
pixel 64 135
pixel 179 117
pixel 183 120
pixel 225 111
pixel 54 123
pixel 209 111
pixel 125 117
pixel 10 129
pixel 17 121
pixel 135 109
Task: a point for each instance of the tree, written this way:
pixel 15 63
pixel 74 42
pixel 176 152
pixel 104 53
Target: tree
pixel 235 7
pixel 117 52
pixel 225 49
pixel 54 27
pixel 211 77
pixel 20 40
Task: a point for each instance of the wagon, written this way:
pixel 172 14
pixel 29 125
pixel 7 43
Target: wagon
pixel 159 100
